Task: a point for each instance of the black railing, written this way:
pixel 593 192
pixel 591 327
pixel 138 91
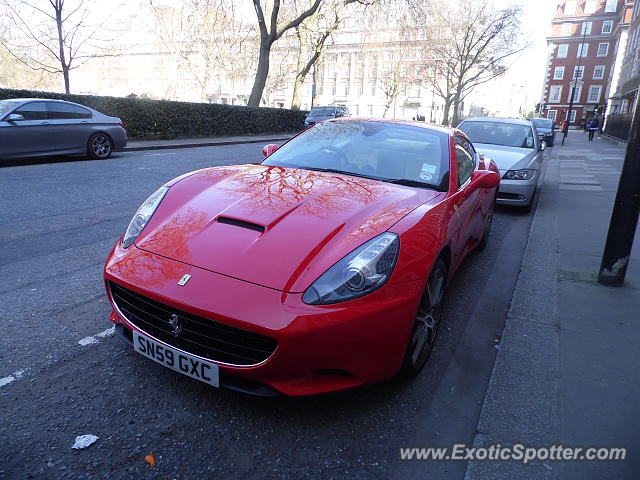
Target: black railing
pixel 618 125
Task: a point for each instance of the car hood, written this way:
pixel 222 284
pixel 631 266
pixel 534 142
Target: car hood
pixel 506 158
pixel 276 227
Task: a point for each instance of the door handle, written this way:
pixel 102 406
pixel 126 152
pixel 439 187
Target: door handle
pixel 84 121
pixel 45 123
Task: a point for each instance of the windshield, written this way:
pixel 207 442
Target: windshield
pixel 542 122
pixel 322 111
pixel 6 106
pixel 499 133
pixel 389 152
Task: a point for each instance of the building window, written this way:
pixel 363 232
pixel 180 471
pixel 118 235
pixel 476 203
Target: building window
pixel 563 50
pixel 572 116
pixel 558 73
pixel 611 6
pixel 607 26
pixel 372 87
pixel 603 49
pixel 551 115
pixel 567 29
pixel 555 91
pixel 598 72
pixel 576 94
pixel 589 7
pixel 570 7
pixel 586 28
pixel 583 49
pixel 578 72
pixel 594 94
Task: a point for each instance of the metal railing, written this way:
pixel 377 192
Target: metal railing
pixel 618 125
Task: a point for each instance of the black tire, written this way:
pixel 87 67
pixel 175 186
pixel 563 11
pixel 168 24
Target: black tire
pixel 482 244
pixel 426 323
pixel 100 146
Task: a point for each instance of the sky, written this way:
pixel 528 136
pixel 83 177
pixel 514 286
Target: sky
pixel 528 68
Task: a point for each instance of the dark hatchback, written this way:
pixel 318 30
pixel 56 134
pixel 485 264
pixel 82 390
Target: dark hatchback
pixel 546 129
pixel 318 114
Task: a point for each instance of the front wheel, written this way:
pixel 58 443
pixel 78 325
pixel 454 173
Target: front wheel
pixel 426 322
pixel 100 146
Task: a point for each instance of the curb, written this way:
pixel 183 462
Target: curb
pixel 199 144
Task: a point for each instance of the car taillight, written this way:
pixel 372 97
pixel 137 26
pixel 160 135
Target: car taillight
pixel 121 124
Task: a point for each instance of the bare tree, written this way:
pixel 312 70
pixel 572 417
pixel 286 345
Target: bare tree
pixel 50 36
pixel 312 35
pixel 471 42
pixel 271 28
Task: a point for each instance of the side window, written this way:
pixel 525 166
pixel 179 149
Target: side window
pixel 465 159
pixel 32 111
pixel 66 111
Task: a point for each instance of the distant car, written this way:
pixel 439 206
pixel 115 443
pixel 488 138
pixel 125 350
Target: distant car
pixel 517 150
pixel 546 129
pixel 317 114
pixel 34 127
pixel 323 268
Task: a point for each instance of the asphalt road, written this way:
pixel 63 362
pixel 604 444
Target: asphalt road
pixel 63 374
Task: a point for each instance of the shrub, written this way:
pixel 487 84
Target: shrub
pixel 143 117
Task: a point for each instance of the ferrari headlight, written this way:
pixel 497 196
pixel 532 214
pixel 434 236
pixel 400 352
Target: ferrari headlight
pixel 142 216
pixel 361 272
pixel 525 174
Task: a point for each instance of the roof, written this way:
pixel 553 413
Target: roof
pixel 34 99
pixel 515 121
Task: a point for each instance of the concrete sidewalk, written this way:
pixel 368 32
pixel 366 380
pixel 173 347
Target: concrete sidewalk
pixel 568 370
pixel 157 144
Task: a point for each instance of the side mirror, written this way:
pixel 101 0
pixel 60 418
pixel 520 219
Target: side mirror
pixel 14 117
pixel 269 149
pixel 485 179
pixel 542 146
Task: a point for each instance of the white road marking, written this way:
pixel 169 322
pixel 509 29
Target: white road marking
pixel 7 380
pixel 91 339
pixel 156 154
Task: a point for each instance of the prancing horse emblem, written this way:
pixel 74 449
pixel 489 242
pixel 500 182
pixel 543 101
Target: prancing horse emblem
pixel 174 323
pixel 185 278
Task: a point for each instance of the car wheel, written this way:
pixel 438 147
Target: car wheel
pixel 100 146
pixel 487 228
pixel 426 322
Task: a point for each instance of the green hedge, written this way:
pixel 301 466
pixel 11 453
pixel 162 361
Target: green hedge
pixel 143 117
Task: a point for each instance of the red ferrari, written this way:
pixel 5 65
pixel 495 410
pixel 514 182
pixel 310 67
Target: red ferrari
pixel 322 268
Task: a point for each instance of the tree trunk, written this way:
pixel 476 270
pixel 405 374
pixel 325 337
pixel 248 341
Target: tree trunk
pixel 297 91
pixel 63 62
pixel 261 74
pixel 299 81
pixel 445 113
pixel 456 110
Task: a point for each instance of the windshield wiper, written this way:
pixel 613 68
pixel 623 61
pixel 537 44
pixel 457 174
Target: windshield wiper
pixel 412 183
pixel 334 170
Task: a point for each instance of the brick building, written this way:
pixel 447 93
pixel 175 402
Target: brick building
pixel 582 50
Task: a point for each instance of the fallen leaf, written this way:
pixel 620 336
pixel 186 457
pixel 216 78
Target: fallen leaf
pixel 150 459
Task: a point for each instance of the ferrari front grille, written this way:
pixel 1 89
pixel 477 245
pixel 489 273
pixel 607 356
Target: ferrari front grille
pixel 196 335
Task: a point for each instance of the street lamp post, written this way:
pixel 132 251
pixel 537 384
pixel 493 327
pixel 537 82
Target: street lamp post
pixel 626 208
pixel 573 88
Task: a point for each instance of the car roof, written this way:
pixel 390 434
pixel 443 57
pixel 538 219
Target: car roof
pixel 426 126
pixel 515 121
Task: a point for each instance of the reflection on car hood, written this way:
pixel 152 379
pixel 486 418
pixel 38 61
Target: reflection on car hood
pixel 543 130
pixel 505 157
pixel 274 226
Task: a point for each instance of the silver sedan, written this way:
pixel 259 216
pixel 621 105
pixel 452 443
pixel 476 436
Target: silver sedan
pixel 516 149
pixel 34 127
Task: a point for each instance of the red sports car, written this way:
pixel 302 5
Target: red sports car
pixel 322 268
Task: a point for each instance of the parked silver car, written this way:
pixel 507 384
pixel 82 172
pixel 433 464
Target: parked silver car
pixel 34 127
pixel 517 150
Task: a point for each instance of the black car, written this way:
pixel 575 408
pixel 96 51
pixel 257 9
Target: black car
pixel 546 129
pixel 317 114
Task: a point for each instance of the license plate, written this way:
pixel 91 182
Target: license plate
pixel 184 363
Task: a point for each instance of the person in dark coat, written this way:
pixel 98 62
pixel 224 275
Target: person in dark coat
pixel 592 126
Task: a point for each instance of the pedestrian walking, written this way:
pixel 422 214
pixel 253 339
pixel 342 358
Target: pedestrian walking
pixel 592 126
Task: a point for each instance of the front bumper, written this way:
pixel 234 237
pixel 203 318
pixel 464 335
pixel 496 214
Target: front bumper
pixel 517 193
pixel 320 348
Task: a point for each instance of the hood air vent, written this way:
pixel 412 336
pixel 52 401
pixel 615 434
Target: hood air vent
pixel 241 223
